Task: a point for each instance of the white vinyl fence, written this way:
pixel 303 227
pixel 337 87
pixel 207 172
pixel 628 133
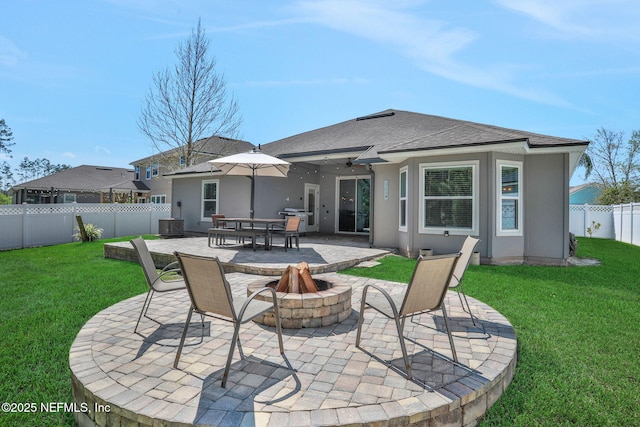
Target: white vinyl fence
pixel 27 225
pixel 619 222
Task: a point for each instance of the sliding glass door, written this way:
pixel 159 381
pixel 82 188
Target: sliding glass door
pixel 354 195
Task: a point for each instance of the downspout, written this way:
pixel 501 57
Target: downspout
pixel 371 204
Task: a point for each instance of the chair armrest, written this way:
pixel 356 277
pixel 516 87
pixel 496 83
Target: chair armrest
pixel 384 293
pixel 172 268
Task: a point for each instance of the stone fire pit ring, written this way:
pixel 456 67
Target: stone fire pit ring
pixel 309 310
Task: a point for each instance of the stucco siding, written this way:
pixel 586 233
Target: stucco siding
pixel 547 198
pixel 503 249
pixel 385 211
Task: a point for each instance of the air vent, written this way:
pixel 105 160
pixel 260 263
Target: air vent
pixel 375 116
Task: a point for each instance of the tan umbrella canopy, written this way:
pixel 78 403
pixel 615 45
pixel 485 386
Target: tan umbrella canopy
pixel 252 163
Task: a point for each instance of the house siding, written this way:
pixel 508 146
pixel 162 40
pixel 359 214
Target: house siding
pixel 547 198
pixel 545 195
pixel 233 200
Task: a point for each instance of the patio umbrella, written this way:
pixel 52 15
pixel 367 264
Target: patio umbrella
pixel 253 163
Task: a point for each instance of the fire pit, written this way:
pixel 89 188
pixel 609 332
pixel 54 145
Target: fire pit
pixel 304 302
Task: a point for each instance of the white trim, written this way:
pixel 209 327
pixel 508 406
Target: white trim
pixel 316 214
pixel 475 197
pixel 161 196
pixel 337 201
pixel 499 198
pixel 405 170
pixel 202 199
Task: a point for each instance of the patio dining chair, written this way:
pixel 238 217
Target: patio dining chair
pixel 157 282
pixel 468 247
pixel 290 231
pixel 425 293
pixel 210 295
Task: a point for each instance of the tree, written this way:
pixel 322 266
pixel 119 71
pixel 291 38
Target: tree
pixel 616 165
pixel 5 137
pixel 6 176
pixel 625 192
pixel 189 102
pixel 613 160
pixel 33 169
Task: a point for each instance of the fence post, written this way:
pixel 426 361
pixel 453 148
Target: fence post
pixel 116 219
pixel 586 219
pixel 25 227
pixel 631 223
pixel 151 212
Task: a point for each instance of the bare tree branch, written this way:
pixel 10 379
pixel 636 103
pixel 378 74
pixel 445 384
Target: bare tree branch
pixel 189 103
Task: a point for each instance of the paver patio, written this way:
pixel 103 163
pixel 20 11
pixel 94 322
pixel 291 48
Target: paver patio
pixel 322 380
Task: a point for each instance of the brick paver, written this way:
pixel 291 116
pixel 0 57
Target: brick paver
pixel 323 379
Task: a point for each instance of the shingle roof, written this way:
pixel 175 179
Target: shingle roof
pixel 213 146
pixel 86 178
pixel 234 147
pixel 392 131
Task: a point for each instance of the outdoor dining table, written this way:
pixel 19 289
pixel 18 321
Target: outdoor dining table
pixel 268 223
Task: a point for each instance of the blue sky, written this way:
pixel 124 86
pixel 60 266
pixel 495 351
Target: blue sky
pixel 73 74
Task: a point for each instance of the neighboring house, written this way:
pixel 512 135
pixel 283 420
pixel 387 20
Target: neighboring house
pixel 151 170
pixel 584 193
pixel 412 181
pixel 82 184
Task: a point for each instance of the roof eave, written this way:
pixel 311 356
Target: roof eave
pixel 522 147
pixel 315 156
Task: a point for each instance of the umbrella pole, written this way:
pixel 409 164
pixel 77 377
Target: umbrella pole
pixel 253 192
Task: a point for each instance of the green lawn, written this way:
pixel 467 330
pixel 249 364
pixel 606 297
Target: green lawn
pixel 578 329
pixel 578 333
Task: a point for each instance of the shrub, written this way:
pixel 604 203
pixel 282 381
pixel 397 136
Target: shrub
pixel 92 232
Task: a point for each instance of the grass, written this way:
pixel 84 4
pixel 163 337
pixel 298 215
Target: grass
pixel 578 329
pixel 47 295
pixel 578 333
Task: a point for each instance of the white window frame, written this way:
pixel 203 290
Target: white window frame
pixel 137 176
pixel 475 205
pixel 159 198
pixel 404 170
pixel 203 200
pixel 155 167
pixel 69 198
pixel 182 162
pixel 500 197
pixel 148 175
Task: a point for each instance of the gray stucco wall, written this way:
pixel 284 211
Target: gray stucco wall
pixel 547 198
pixel 545 210
pixel 545 205
pixel 234 200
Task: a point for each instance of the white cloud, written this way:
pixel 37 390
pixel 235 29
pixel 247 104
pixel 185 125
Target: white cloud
pixel 101 149
pixel 432 44
pixel 10 54
pixel 68 155
pixel 579 19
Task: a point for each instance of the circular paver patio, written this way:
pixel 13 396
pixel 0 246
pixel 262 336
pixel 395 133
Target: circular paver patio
pixel 124 378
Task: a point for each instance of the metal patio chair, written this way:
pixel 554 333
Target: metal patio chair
pixel 468 247
pixel 290 231
pixel 156 281
pixel 424 293
pixel 210 295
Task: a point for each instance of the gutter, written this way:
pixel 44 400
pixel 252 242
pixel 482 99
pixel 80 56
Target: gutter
pixel 371 204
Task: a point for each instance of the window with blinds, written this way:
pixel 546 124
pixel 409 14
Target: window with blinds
pixel 450 199
pixel 509 209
